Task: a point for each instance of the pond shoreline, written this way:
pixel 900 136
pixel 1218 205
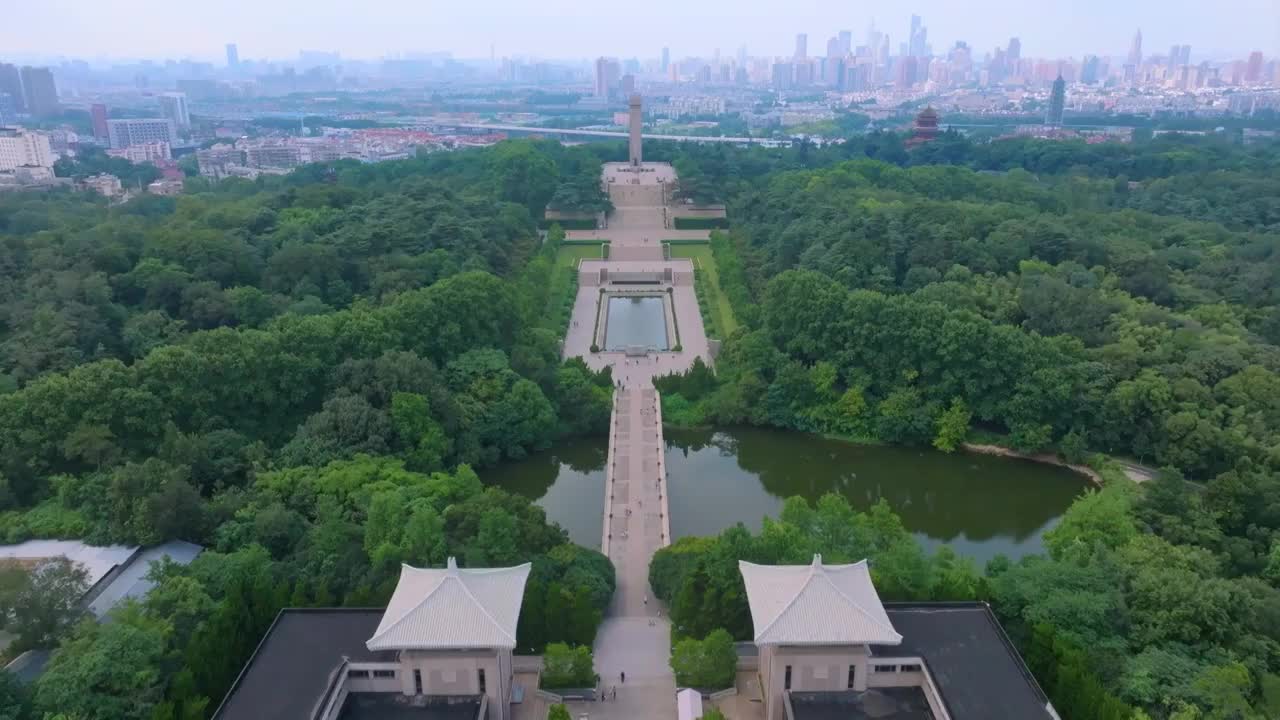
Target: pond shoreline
pixel 1044 458
pixel 978 448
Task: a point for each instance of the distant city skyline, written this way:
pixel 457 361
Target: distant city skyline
pixel 562 29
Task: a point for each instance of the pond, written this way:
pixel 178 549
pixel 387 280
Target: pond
pixel 636 322
pixel 980 505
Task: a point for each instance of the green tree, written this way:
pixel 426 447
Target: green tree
pixel 40 605
pixel 953 426
pixel 567 667
pixel 710 663
pixel 15 700
pixel 107 670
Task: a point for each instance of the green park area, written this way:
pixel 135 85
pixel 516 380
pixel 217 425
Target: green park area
pixel 717 312
pixel 569 255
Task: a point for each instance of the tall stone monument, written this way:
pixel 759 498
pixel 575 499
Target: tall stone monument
pixel 635 124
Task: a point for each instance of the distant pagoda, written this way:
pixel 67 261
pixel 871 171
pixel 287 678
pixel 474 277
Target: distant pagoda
pixel 925 129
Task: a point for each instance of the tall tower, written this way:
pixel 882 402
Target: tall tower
pixel 636 121
pixel 802 45
pixel 666 59
pixel 233 55
pixel 1057 103
pixel 1135 50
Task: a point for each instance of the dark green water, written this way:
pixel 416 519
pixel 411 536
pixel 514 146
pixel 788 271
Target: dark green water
pixel 636 322
pixel 980 505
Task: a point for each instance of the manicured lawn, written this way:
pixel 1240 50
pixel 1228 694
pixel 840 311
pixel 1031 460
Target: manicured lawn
pixel 569 255
pixel 705 263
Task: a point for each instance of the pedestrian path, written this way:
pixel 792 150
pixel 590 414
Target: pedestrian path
pixel 635 636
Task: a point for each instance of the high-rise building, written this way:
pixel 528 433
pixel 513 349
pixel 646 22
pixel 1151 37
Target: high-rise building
pixel 628 84
pixel 873 38
pixel 804 73
pixel 666 59
pixel 917 41
pixel 1253 70
pixel 233 55
pixel 98 114
pixel 8 110
pixel 39 91
pixel 783 75
pixel 1057 102
pixel 846 42
pixel 802 45
pixel 833 47
pixel 906 72
pixel 608 75
pixel 24 148
pixel 124 133
pixel 857 78
pixel 11 84
pixel 1179 55
pixel 1089 70
pixel 1135 50
pixel 173 106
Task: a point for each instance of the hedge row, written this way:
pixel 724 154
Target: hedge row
pixel 699 223
pixel 569 223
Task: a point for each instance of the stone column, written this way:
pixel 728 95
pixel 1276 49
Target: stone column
pixel 636 122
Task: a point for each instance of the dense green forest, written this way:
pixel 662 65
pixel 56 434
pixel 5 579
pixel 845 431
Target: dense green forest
pixel 1092 301
pixel 298 373
pixel 301 372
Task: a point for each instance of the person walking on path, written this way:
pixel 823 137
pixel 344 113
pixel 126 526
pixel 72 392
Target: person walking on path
pixel 623 675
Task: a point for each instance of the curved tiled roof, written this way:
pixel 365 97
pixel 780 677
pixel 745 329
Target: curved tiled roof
pixel 452 608
pixel 816 605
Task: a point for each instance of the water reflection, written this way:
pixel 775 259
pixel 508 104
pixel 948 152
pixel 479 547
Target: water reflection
pixel 980 505
pixel 636 322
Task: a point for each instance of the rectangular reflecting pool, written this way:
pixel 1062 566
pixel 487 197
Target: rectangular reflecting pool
pixel 636 322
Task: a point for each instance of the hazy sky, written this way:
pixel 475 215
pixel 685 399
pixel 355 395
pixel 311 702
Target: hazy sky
pixel 277 29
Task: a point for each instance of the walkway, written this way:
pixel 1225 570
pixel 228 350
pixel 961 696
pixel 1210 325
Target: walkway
pixel 635 637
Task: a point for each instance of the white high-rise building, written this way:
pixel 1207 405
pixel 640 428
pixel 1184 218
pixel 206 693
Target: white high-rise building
pixel 23 148
pixel 173 106
pixel 124 133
